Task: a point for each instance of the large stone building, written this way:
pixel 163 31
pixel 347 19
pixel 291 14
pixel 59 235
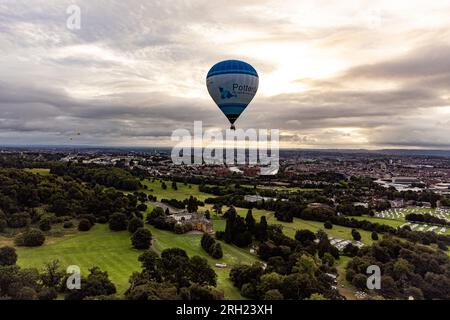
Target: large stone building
pixel 197 220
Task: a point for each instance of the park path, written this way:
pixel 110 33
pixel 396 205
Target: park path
pixel 165 206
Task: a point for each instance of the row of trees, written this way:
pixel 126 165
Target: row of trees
pixel 213 248
pixel 427 218
pixel 96 174
pixel 240 231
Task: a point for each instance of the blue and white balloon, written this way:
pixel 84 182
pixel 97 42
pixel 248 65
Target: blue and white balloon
pixel 232 85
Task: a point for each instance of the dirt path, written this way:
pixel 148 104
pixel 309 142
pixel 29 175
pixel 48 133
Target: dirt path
pixel 164 206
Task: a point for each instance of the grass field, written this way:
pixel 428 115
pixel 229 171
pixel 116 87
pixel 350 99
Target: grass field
pixel 111 251
pixel 183 192
pixel 389 222
pixel 41 171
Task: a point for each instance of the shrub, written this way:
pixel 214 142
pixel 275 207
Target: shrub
pixel 273 294
pixel 8 256
pixel 374 236
pixel 92 219
pixel 45 225
pixel 47 294
pixel 30 238
pixel 216 251
pixel 356 235
pixel 27 293
pixel 19 220
pixel 84 225
pixel 360 281
pixel 141 239
pixel 3 225
pixel 68 225
pixel 328 225
pixel 142 207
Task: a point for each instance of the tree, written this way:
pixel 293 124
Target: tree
pixel 360 281
pixel 305 264
pixel 8 256
pixel 273 294
pixel 84 225
pixel 217 207
pixel 201 272
pixel 328 259
pixel 297 286
pixel 97 283
pixel 3 224
pixel 141 207
pixel 30 238
pixel 151 264
pixel 216 251
pixel 118 222
pixel 134 224
pixel 45 225
pixel 19 220
pixel 304 236
pixel 350 250
pixel 250 221
pixel 141 239
pixel 248 290
pixel 52 275
pixel 269 281
pixel 143 289
pixel 374 236
pixel 261 230
pixel 356 235
pixel 192 205
pixel 317 296
pixel 198 292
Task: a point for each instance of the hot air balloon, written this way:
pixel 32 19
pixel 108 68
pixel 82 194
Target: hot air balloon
pixel 232 85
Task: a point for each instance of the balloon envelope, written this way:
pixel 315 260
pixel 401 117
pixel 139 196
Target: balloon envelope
pixel 232 85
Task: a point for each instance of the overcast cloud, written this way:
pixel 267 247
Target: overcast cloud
pixel 350 74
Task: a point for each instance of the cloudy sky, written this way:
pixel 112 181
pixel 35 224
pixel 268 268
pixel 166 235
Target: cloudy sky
pixel 339 74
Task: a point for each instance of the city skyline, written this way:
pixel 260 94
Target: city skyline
pixel 355 75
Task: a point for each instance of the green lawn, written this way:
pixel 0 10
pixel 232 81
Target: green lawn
pixel 41 171
pixel 183 192
pixel 389 222
pixel 111 251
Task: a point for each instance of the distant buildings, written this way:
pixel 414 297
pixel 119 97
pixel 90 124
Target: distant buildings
pixel 256 198
pixel 405 180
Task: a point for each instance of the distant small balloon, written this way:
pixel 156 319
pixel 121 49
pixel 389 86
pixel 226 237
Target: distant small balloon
pixel 232 84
